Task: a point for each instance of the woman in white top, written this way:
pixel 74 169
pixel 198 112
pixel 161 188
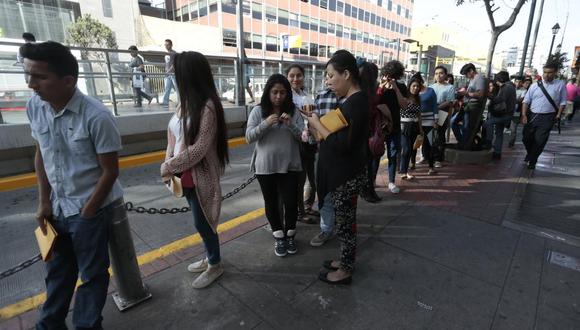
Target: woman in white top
pixel 295 74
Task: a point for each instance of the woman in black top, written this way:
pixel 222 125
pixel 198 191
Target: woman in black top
pixel 342 161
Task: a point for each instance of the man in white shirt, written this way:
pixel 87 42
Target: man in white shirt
pixel 538 113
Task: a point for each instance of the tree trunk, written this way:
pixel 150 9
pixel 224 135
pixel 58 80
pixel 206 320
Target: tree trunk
pixel 536 29
pixel 490 50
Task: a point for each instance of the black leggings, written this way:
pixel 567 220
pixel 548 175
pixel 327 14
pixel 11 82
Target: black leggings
pixel 274 187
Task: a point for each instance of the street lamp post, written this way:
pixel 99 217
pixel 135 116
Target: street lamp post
pixel 555 30
pixel 420 54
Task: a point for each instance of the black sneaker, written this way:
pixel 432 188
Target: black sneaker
pixel 280 247
pixel 291 245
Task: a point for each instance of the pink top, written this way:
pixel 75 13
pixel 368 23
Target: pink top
pixel 202 161
pixel 573 91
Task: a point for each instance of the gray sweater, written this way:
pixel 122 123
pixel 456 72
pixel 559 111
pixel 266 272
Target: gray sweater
pixel 277 148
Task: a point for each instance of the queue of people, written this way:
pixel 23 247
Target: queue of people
pixel 77 138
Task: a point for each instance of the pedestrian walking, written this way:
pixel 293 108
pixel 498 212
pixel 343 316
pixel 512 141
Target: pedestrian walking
pixel 276 127
pixel 325 101
pixel 341 169
pixel 308 146
pixel 170 81
pixel 197 150
pixel 499 113
pixel 138 78
pixel 394 95
pixel 411 125
pixel 76 165
pixel 573 99
pixel 445 100
pixel 542 107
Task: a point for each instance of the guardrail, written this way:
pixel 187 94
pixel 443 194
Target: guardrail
pixel 105 74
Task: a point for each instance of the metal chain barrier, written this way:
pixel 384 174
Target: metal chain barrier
pixel 130 208
pixel 23 265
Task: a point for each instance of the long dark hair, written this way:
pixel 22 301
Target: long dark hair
pixel 418 79
pixel 196 87
pixel 369 73
pixel 266 104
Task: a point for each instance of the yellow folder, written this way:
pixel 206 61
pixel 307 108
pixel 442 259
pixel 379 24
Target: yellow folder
pixel 46 242
pixel 333 120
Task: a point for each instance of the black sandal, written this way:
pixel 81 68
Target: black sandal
pixel 324 278
pixel 328 265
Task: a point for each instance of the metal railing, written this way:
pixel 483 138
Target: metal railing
pixel 105 74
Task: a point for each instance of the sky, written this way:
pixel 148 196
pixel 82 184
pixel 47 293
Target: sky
pixel 472 18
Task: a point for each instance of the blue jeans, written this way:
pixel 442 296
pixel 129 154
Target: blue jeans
pixel 460 130
pixel 407 142
pixel 210 239
pixel 327 215
pixel 169 84
pixel 81 247
pixel 496 125
pixel 393 141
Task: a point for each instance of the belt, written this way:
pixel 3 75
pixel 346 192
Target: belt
pixel 543 113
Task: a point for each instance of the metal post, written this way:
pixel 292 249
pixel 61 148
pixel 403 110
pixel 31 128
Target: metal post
pixel 398 47
pixel 240 81
pixel 131 290
pixel 313 89
pixel 419 56
pixel 111 86
pixel 237 78
pixel 551 46
pixel 527 39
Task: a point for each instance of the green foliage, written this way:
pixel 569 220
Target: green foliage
pixel 89 32
pixel 560 59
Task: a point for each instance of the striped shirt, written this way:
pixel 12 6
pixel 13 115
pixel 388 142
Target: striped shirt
pixel 325 101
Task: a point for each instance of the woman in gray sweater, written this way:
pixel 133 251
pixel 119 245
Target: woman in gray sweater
pixel 276 126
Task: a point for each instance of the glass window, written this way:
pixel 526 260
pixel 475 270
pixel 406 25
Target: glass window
pixel 314 50
pixel 293 20
pixel 332 5
pixel 331 28
pixel 366 37
pixel 257 41
pixel 339 31
pixel 399 10
pixel 380 3
pixel 406 13
pixel 256 10
pixel 324 27
pixel 322 51
pixel 346 32
pixel 397 26
pixel 353 34
pixel 107 8
pixel 347 9
pixel 193 8
pixel 361 15
pixel 314 24
pixel 247 40
pixel 304 22
pixel 282 17
pixel 390 6
pixel 353 12
pixel 228 7
pixel 383 22
pixel 304 48
pixel 367 16
pixel 388 24
pixel 202 8
pixel 359 36
pixel 373 19
pixel 229 38
pixel 212 6
pixel 314 2
pixel 272 43
pixel 270 14
pixel 246 7
pixel 324 4
pixel 340 6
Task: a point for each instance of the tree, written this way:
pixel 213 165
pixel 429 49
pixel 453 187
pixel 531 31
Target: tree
pixel 560 59
pixel 496 30
pixel 88 32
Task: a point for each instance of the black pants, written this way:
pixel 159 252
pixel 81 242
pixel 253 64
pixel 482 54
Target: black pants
pixel 139 94
pixel 440 141
pixel 280 186
pixel 536 133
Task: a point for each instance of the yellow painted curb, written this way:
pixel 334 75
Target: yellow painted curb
pixel 29 179
pixel 27 304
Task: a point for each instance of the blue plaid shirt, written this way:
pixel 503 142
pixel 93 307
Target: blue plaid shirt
pixel 325 101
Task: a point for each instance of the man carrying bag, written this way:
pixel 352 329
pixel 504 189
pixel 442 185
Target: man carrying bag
pixel 542 99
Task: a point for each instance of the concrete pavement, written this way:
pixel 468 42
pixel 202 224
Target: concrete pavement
pixel 444 254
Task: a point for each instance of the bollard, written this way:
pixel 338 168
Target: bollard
pixel 131 290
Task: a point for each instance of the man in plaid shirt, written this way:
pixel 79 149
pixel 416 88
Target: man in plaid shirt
pixel 325 101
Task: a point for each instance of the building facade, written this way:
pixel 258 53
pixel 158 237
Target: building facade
pixel 367 28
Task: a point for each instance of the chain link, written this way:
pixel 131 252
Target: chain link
pixel 130 208
pixel 23 265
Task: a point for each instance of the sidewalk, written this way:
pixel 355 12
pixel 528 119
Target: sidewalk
pixel 437 256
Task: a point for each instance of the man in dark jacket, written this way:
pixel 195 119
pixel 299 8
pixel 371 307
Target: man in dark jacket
pixel 500 112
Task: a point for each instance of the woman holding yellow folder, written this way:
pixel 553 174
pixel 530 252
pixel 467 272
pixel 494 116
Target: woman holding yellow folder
pixel 341 166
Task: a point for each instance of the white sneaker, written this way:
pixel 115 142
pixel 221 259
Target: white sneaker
pixel 198 266
pixel 209 276
pixel 438 165
pixel 393 188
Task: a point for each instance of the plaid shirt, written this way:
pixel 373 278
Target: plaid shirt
pixel 325 101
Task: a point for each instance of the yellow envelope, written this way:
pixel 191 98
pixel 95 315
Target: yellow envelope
pixel 46 242
pixel 333 121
